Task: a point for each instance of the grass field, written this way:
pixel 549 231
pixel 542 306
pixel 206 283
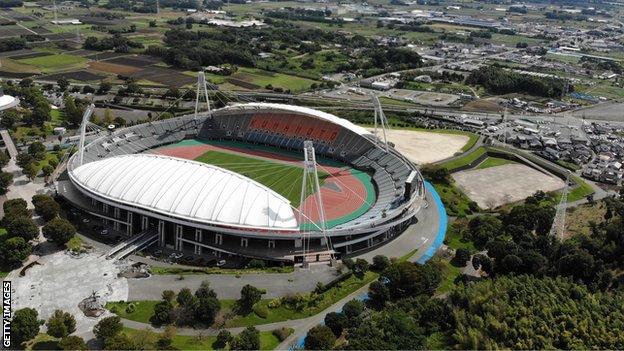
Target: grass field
pixel 455 201
pixel 579 218
pixel 263 78
pixel 464 160
pixel 268 341
pixel 284 179
pixel 52 63
pixel 493 162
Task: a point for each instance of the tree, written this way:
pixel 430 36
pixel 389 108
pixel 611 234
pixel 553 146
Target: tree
pixel 108 327
pixel 162 313
pixel 22 159
pixel 250 295
pixel 248 339
pixel 4 158
pixel 47 171
pixel 320 337
pixel 168 295
pixel 10 118
pixel 46 206
pixel 360 267
pixel 63 84
pixel 15 208
pixel 72 342
pixel 24 325
pixel 223 338
pixel 380 263
pixel 118 342
pixel 31 171
pixel 185 297
pixel 410 279
pixel 462 255
pixel 61 324
pixel 59 230
pixel 23 227
pixel 378 295
pixel 337 322
pixel 204 290
pixel 207 309
pixel 14 251
pixel 353 309
pixel 6 179
pixel 104 87
pixel 37 150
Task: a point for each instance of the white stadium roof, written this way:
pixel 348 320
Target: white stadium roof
pixel 306 111
pixel 7 102
pixel 186 189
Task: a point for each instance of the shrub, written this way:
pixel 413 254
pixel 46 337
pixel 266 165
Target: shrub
pixel 257 264
pixel 282 333
pixel 130 308
pixel 261 311
pixel 275 303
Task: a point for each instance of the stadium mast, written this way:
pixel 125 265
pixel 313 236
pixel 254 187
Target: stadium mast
pixel 558 226
pixel 201 85
pixel 383 121
pixel 83 131
pixel 310 174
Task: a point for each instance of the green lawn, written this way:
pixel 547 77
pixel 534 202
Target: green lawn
pixel 454 238
pixel 142 313
pixel 464 160
pixel 449 273
pixel 54 62
pixel 263 78
pixel 284 179
pixel 268 341
pixel 580 192
pixel 493 162
pixel 455 201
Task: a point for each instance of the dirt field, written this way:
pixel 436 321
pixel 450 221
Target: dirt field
pixel 112 68
pixel 495 186
pixel 426 147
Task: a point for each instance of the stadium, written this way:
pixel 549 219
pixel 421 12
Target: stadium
pixel 231 182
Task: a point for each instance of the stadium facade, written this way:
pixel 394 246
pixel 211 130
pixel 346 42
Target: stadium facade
pixel 196 207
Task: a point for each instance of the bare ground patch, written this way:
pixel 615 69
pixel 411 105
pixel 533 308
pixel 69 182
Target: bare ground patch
pixel 495 186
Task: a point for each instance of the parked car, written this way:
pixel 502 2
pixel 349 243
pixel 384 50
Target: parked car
pixel 221 263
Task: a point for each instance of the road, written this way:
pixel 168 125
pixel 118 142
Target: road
pixel 8 142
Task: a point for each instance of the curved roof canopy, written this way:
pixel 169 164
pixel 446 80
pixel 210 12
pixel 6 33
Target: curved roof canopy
pixel 186 189
pixel 8 101
pixel 304 111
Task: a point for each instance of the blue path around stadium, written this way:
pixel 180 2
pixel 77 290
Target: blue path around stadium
pixel 431 250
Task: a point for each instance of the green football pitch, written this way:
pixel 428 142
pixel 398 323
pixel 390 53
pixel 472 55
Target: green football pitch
pixel 284 179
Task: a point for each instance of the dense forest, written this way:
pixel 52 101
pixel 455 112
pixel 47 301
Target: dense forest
pixel 538 292
pixel 497 80
pixel 189 49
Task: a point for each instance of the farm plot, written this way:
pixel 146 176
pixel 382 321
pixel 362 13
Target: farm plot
pixel 106 67
pixel 33 54
pixel 165 76
pixel 134 61
pixel 82 76
pixel 105 55
pixel 12 31
pixel 253 78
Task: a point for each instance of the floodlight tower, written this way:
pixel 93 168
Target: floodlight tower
pixel 55 15
pixel 383 121
pixel 83 131
pixel 310 174
pixel 202 88
pixel 558 226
